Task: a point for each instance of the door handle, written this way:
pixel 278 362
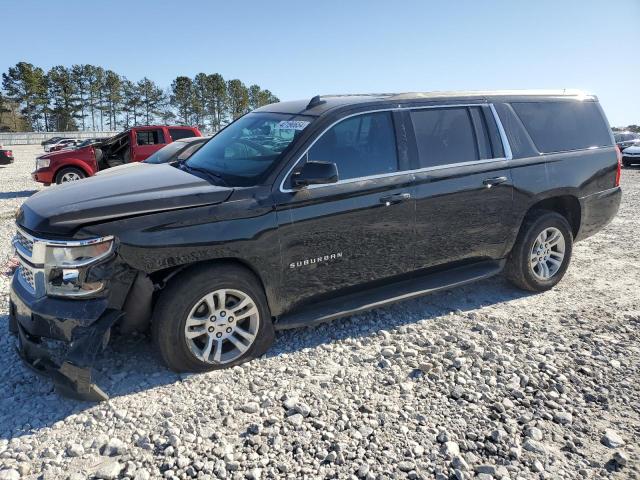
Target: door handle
pixel 490 182
pixel 396 198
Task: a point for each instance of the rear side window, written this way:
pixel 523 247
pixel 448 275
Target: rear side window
pixel 562 126
pixel 178 133
pixel 149 137
pixel 444 136
pixel 360 146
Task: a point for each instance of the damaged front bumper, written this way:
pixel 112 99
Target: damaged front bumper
pixel 60 338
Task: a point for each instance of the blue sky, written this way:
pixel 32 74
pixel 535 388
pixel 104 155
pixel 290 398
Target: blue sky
pixel 299 49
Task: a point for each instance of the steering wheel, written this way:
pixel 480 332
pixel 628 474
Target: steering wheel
pixel 256 146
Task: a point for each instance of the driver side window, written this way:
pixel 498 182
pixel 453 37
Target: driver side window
pixel 360 146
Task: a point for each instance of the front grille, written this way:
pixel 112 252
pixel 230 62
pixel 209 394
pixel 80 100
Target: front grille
pixel 24 242
pixel 27 275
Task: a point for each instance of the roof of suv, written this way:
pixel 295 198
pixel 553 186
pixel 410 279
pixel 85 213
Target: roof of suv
pixel 321 104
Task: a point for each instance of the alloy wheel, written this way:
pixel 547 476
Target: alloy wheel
pixel 70 177
pixel 547 253
pixel 222 326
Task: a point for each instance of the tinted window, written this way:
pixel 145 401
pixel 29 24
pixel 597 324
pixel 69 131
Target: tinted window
pixel 561 126
pixel 178 133
pixel 149 137
pixel 360 146
pixel 444 136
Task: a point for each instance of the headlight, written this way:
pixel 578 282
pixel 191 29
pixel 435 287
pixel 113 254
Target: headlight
pixel 77 256
pixel 42 163
pixel 67 268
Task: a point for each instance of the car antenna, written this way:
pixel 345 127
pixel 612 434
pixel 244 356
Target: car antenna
pixel 314 102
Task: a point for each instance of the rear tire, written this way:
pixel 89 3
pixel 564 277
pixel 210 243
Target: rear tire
pixel 205 318
pixel 542 252
pixel 69 174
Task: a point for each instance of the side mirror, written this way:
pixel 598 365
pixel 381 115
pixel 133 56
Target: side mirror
pixel 315 173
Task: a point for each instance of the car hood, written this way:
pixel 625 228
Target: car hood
pixel 634 149
pixel 136 190
pixel 65 152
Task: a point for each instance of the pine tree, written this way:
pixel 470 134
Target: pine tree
pixel 238 98
pixel 62 95
pixel 181 98
pixel 152 99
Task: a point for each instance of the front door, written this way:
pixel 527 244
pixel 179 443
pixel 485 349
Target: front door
pixel 358 230
pixel 146 142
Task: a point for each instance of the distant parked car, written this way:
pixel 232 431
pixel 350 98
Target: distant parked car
pixel 177 151
pixel 52 147
pixel 631 155
pixel 133 145
pixel 6 156
pixel 50 141
pixel 64 144
pixel 626 139
pixel 90 141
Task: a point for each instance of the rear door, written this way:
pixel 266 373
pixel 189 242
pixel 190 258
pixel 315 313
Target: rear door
pixel 147 141
pixel 358 230
pixel 464 190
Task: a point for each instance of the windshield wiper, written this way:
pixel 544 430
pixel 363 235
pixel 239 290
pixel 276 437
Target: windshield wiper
pixel 213 177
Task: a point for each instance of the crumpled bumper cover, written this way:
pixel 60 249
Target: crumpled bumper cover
pixel 85 332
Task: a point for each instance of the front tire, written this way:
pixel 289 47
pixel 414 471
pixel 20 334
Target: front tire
pixel 211 318
pixel 542 252
pixel 69 174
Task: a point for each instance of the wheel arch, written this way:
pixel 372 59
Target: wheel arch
pixel 565 204
pixel 163 277
pixel 79 165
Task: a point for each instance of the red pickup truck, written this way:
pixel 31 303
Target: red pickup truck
pixel 132 145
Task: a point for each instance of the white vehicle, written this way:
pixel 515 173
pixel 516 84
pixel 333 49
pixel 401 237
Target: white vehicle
pixel 60 144
pixel 631 155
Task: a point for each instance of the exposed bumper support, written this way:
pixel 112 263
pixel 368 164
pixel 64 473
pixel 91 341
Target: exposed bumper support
pixel 72 376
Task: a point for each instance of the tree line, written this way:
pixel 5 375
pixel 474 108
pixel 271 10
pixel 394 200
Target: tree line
pixel 88 97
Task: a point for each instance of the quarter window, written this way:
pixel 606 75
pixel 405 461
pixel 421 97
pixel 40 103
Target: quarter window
pixel 445 136
pixel 178 133
pixel 360 146
pixel 149 137
pixel 562 126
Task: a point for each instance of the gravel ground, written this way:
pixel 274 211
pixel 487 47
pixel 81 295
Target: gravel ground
pixel 483 381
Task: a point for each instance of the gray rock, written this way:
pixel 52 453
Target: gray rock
pixel 537 466
pixel 9 474
pixel 296 419
pixel 620 458
pixel 485 469
pixel 141 474
pixel 405 466
pixel 563 418
pixel 451 449
pixel 531 445
pixel 250 407
pixel 75 450
pixel 534 433
pixel 109 470
pixel 459 463
pixel 254 474
pixel 612 439
pixel 113 447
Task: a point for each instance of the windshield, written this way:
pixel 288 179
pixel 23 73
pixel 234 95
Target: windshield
pixel 165 154
pixel 246 150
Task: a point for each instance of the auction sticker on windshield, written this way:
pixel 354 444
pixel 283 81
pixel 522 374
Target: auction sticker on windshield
pixel 293 124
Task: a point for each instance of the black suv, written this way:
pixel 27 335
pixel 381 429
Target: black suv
pixel 306 211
